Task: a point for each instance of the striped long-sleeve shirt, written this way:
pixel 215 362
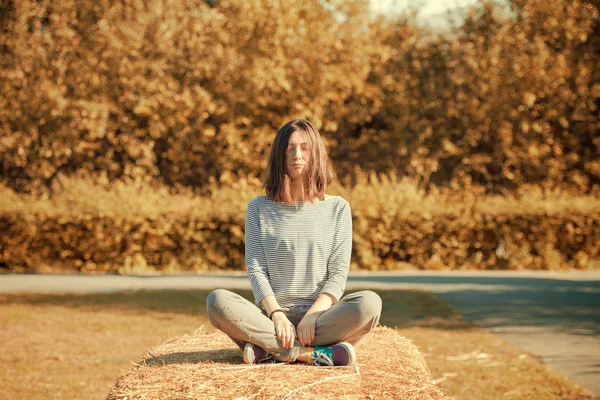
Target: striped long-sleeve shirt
pixel 296 252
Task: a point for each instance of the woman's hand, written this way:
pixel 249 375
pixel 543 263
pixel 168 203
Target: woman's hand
pixel 306 328
pixel 286 332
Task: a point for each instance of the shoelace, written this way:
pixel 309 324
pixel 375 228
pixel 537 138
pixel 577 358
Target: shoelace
pixel 267 358
pixel 323 359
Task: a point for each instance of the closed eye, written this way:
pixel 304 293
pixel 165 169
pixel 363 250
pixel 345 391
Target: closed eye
pixel 303 147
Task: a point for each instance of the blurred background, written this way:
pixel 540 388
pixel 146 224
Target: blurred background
pixel 463 133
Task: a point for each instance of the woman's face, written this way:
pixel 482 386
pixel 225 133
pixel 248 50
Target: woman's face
pixel 297 155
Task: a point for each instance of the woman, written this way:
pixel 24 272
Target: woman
pixel 298 246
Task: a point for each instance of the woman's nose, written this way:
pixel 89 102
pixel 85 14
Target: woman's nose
pixel 297 153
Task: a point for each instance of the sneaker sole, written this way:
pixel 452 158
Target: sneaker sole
pixel 248 353
pixel 351 353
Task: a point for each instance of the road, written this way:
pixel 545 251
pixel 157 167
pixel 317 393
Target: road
pixel 555 315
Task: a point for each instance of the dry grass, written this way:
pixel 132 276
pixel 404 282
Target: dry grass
pixel 76 196
pixel 474 364
pixel 374 194
pixel 65 352
pixel 397 225
pixel 56 346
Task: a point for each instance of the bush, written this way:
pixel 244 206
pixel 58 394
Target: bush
pixel 396 226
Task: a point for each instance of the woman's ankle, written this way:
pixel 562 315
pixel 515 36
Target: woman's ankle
pixel 305 354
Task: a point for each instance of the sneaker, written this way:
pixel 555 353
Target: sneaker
pixel 254 354
pixel 341 354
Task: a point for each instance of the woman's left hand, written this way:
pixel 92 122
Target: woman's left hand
pixel 305 330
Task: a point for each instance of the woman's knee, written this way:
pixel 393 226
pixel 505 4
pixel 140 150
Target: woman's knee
pixel 216 301
pixel 370 305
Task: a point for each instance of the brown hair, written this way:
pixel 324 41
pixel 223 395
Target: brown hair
pixel 278 183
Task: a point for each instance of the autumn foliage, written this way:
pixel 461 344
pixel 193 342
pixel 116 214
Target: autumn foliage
pixel 183 98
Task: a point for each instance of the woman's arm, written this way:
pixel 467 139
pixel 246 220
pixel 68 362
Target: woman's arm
pixel 306 327
pixel 338 266
pixel 259 278
pixel 324 301
pixel 338 263
pixel 286 331
pixel 269 304
pixel 254 254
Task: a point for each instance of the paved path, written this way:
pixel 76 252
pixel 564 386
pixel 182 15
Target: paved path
pixel 554 315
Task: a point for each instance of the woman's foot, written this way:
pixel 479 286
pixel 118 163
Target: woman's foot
pixel 254 354
pixel 341 354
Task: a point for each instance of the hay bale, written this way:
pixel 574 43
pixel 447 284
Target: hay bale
pixel 210 366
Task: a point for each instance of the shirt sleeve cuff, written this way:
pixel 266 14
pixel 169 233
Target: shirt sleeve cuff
pixel 334 290
pixel 261 290
pixel 260 296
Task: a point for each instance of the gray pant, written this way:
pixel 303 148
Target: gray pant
pixel 348 320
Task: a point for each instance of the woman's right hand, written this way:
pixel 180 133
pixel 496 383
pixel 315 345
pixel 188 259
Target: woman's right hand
pixel 286 331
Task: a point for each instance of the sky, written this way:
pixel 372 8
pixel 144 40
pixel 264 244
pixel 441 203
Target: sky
pixel 428 7
pixel 432 12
